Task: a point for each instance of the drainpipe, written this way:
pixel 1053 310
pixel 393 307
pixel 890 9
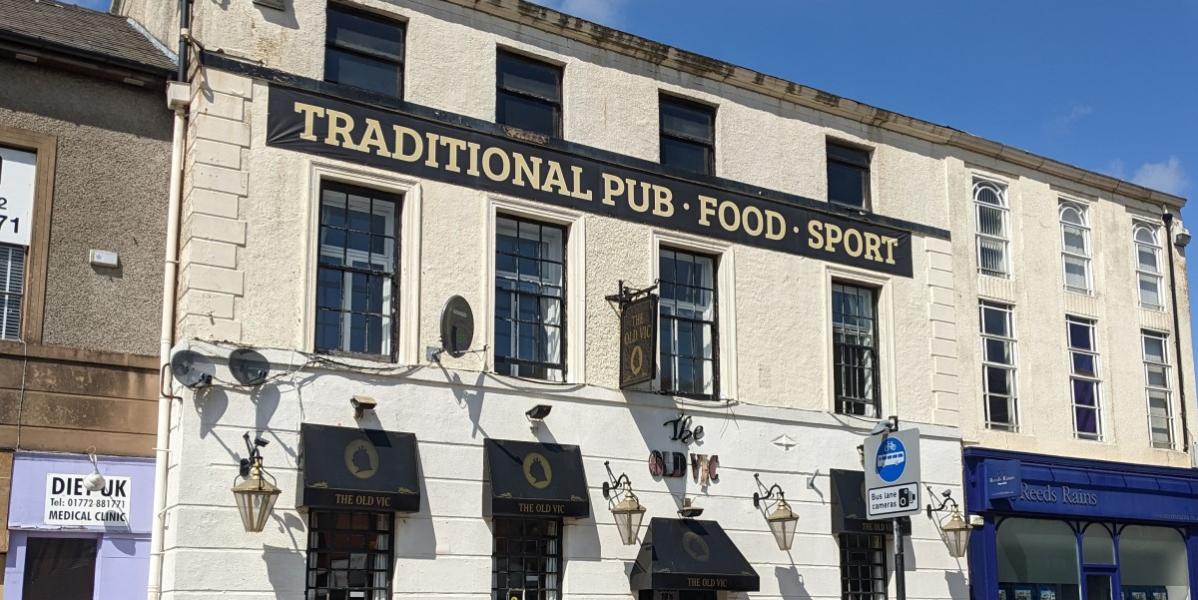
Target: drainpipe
pixel 1181 373
pixel 178 99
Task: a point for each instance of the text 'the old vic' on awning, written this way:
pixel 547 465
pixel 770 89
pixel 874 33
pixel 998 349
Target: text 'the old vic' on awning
pixel 350 468
pixel 529 478
pixel 685 554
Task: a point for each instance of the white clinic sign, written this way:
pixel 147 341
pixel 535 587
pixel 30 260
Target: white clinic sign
pixel 70 504
pixel 18 170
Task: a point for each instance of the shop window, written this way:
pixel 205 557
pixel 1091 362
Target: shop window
pixel 1075 247
pixel 993 240
pixel 855 350
pixel 1083 381
pixel 687 135
pixel 1157 389
pixel 1037 559
pixel 689 330
pixel 1148 265
pixel 529 299
pixel 528 94
pixel 848 175
pixel 12 288
pixel 349 555
pixel 59 568
pixel 1153 564
pixel 526 559
pixel 364 50
pixel 862 566
pixel 1098 547
pixel 356 281
pixel 998 366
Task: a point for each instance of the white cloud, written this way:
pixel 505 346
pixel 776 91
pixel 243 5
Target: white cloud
pixel 604 12
pixel 1166 176
pixel 1077 112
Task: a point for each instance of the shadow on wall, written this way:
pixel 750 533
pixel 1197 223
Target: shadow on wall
pixel 790 583
pixel 285 569
pixel 957 586
pixel 282 18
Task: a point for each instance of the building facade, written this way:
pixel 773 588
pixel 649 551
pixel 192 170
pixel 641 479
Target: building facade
pixel 489 257
pixel 84 154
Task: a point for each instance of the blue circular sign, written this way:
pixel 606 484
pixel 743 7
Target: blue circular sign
pixel 891 460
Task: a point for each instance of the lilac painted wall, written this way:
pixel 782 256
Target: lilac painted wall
pixel 122 560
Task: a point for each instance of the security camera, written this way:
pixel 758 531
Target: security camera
pixel 538 413
pixel 1182 237
pixel 688 509
pixel 362 404
pixel 886 425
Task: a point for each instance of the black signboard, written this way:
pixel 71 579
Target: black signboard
pixel 534 479
pixel 638 341
pixel 346 467
pixel 397 141
pixel 688 554
pixel 848 505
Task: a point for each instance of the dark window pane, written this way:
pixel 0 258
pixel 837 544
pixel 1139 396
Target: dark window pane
pixel 349 555
pixel 526 113
pixel 1079 335
pixel 688 323
pixel 529 312
pixel 689 120
pixel 361 71
pixel 685 156
pixel 60 568
pixel 529 77
pixel 1084 392
pixel 854 350
pixel 1087 421
pixel 849 155
pixel 359 31
pixel 847 184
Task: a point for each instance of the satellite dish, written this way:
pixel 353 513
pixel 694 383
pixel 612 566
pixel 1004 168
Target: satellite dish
pixel 248 367
pixel 457 326
pixel 191 369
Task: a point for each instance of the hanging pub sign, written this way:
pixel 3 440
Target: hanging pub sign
pixel 404 143
pixel 638 341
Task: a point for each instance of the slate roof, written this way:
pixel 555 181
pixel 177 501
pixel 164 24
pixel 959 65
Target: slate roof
pixel 83 33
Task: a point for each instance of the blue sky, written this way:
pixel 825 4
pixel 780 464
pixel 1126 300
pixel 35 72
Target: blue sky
pixel 1102 84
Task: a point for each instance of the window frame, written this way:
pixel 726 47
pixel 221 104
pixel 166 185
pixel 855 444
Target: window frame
pixel 558 104
pixel 563 364
pixel 1002 191
pixel 872 546
pixel 866 180
pixel 373 519
pixel 1085 258
pixel 716 356
pixel 391 354
pixel 1158 249
pixel 693 104
pixel 1170 415
pixel 560 556
pixel 37 254
pixel 1095 380
pixel 394 20
pixel 875 292
pixel 1013 368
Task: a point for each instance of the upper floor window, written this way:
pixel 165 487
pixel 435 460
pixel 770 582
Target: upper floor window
pixel 855 350
pixel 12 290
pixel 1157 388
pixel 687 135
pixel 1075 247
pixel 998 366
pixel 689 331
pixel 530 272
pixel 993 239
pixel 848 175
pixel 349 555
pixel 528 94
pixel 364 50
pixel 1083 380
pixel 357 280
pixel 1148 265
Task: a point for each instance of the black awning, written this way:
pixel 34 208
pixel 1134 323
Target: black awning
pixel 530 478
pixel 685 554
pixel 848 505
pixel 346 467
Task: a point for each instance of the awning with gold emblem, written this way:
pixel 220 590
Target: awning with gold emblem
pixel 687 554
pixel 535 479
pixel 364 469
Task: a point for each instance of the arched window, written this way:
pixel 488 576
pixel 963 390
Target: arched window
pixel 1148 265
pixel 1040 553
pixel 1075 247
pixel 1098 547
pixel 993 239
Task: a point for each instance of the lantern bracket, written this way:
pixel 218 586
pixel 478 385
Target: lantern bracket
pixel 615 485
pixel 758 497
pixel 254 449
pixel 948 503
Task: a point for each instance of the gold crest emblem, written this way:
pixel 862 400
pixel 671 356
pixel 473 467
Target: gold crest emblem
pixel 361 459
pixel 537 471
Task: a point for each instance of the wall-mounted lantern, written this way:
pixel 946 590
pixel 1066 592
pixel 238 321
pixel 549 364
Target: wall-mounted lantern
pixel 954 530
pixel 628 512
pixel 782 520
pixel 255 494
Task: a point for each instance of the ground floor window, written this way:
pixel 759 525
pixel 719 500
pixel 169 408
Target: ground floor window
pixel 60 568
pixel 862 566
pixel 676 595
pixel 526 559
pixel 349 555
pixel 1153 564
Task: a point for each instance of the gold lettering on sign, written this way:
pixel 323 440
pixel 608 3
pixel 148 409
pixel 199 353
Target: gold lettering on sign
pixel 708 582
pixel 540 508
pixel 834 239
pixel 310 112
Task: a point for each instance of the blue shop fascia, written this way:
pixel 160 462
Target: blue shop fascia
pixel 1066 529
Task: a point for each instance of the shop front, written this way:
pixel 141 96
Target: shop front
pixel 79 527
pixel 1071 529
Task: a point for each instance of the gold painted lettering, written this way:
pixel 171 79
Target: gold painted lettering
pixel 873 242
pixel 310 112
pixel 663 201
pixel 341 125
pixel 638 202
pixel 729 223
pixel 373 138
pixel 454 146
pixel 706 209
pixel 472 170
pixel 775 228
pixel 555 180
pixel 834 235
pixel 815 234
pixel 431 160
pixel 526 167
pixel 578 191
pixel 402 135
pixel 612 186
pixel 890 244
pixel 754 221
pixel 852 248
pixel 504 161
